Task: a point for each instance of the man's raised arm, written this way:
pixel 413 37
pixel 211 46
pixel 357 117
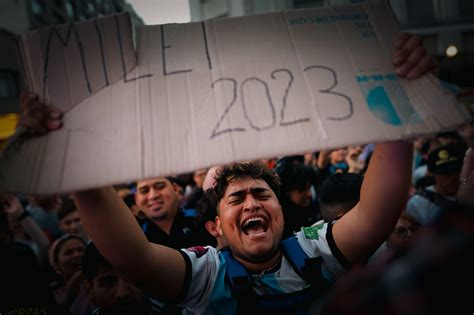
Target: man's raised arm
pixel 383 196
pixel 159 270
pixel 385 188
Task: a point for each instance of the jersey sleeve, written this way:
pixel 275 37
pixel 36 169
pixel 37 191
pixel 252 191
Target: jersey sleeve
pixel 202 263
pixel 317 241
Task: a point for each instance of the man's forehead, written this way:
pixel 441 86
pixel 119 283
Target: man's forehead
pixel 240 184
pixel 151 181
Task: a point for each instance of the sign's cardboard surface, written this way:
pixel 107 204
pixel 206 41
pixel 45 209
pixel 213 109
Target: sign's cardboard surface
pixel 217 92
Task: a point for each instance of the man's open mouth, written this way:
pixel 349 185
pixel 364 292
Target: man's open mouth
pixel 254 225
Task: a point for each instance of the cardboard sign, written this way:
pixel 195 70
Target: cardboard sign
pixel 217 92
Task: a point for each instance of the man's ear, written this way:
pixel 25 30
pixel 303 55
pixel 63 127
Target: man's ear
pixel 212 228
pixel 175 188
pixel 218 226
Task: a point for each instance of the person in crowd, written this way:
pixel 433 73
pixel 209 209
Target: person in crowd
pixel 445 164
pixel 251 219
pixel 65 257
pixel 334 161
pixel 43 210
pixel 165 223
pixel 194 192
pixel 404 230
pixel 338 194
pixel 24 286
pixel 111 292
pixel 432 274
pixel 24 229
pixel 297 187
pixel 69 219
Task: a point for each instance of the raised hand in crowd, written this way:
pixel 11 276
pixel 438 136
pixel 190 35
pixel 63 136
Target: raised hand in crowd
pixel 38 118
pixel 410 57
pixel 19 216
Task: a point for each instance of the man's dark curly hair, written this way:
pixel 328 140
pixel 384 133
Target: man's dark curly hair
pixel 238 171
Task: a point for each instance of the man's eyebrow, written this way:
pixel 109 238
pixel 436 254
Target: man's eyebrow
pixel 153 184
pixel 256 190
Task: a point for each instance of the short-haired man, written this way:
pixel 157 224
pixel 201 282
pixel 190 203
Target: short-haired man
pixel 165 223
pixel 251 219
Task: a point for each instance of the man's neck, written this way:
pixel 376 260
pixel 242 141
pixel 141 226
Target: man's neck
pixel 261 266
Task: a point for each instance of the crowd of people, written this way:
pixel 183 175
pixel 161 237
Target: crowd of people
pixel 348 230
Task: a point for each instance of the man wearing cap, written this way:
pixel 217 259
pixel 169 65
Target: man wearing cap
pixel 444 163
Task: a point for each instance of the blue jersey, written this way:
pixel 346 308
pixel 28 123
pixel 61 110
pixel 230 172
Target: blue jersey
pixel 210 293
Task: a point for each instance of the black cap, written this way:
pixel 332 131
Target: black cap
pixel 446 159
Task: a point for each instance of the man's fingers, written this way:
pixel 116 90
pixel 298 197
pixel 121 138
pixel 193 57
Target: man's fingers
pixel 402 53
pixel 426 64
pixel 27 98
pixel 38 118
pixel 55 114
pixel 53 124
pixel 411 62
pixel 401 40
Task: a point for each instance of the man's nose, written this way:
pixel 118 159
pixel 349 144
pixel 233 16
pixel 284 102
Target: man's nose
pixel 124 290
pixel 153 193
pixel 251 204
pixel 78 253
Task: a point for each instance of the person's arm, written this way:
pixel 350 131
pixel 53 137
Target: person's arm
pixel 383 195
pixel 14 208
pixel 323 159
pixel 159 270
pixel 384 191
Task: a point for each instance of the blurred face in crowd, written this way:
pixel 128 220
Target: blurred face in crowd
pixel 199 176
pixel 403 231
pixel 15 227
pixel 158 198
pixel 69 257
pixel 338 156
pixel 301 197
pixel 48 203
pixel 251 219
pixel 71 224
pixel 115 295
pixel 309 159
pixel 447 184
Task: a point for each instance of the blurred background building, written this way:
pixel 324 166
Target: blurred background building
pixel 447 27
